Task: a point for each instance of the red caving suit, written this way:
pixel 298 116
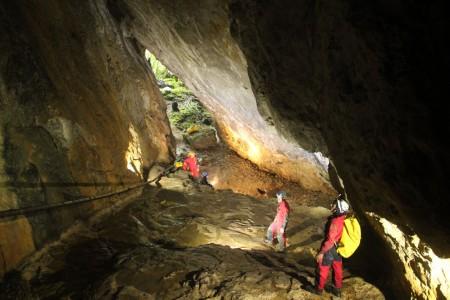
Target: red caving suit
pixel 333 233
pixel 191 164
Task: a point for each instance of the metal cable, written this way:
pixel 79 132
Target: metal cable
pixel 27 210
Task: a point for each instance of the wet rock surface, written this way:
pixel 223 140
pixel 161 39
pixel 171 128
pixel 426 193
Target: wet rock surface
pixel 352 80
pixel 227 170
pixel 184 242
pixel 199 47
pixel 79 106
pixel 359 81
pixel 362 82
pixel 202 139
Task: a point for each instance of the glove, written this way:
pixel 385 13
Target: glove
pixel 319 258
pixel 281 230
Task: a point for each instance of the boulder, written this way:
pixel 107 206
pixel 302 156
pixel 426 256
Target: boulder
pixel 203 138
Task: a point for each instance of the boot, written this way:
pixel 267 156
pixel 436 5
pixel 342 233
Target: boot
pixel 336 292
pixel 314 290
pixel 280 248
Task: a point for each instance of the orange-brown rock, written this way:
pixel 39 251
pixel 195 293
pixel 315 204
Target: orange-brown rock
pixel 361 82
pixel 16 243
pixel 80 115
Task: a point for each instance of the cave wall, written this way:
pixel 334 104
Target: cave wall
pixel 370 78
pixel 196 44
pixel 360 82
pixel 80 115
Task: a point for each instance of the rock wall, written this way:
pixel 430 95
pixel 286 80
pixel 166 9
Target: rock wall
pixel 360 82
pixel 364 77
pixel 357 81
pixel 368 78
pixel 80 115
pixel 193 39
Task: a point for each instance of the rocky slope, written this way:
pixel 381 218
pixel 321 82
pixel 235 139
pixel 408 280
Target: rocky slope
pixel 184 242
pixel 360 82
pixel 363 83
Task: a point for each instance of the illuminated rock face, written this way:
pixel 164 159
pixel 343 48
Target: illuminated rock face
pixel 366 78
pixel 356 81
pixel 427 274
pixel 360 84
pixel 199 48
pixel 79 106
pixel 170 244
pixel 332 78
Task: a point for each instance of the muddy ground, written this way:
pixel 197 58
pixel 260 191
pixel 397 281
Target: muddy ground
pixel 183 241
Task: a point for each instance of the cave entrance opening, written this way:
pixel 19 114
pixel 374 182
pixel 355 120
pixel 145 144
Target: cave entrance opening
pixel 192 124
pixel 194 128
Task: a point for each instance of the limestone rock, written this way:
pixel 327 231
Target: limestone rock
pixel 357 81
pixel 202 139
pixel 16 238
pixel 193 55
pixel 131 293
pixel 358 288
pixel 171 245
pixel 78 117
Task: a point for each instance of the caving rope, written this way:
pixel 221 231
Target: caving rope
pixel 32 209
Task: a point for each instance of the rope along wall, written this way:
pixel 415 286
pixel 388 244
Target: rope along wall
pixel 34 209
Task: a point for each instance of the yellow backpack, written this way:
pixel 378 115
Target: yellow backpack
pixel 351 237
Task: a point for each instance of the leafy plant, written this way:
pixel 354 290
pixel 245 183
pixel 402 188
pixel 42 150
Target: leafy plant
pixel 190 110
pixel 158 68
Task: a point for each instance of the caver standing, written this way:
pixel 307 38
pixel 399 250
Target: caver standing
pixel 328 256
pixel 191 164
pixel 278 226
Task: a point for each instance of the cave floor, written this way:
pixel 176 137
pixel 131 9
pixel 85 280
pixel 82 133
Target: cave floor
pixel 184 241
pixel 227 170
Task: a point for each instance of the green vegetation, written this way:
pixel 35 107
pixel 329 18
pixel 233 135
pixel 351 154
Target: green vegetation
pixel 158 68
pixel 172 87
pixel 177 92
pixel 191 111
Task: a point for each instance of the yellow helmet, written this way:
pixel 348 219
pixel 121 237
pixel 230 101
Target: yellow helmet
pixel 191 154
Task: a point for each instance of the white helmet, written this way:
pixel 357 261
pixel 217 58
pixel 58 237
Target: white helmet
pixel 340 206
